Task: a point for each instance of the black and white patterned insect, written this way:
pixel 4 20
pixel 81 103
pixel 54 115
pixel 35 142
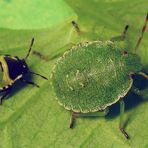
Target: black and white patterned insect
pixel 14 69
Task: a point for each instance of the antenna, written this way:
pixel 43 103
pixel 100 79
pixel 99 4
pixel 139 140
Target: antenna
pixel 125 31
pixel 30 48
pixel 142 33
pixel 38 75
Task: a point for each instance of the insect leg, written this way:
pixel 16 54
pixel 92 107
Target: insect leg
pixel 121 125
pixel 91 114
pixel 122 36
pixel 76 26
pixel 142 33
pixel 72 119
pixel 4 96
pixel 29 82
pixel 40 55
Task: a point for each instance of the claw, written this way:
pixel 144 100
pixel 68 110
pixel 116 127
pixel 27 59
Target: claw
pixel 124 133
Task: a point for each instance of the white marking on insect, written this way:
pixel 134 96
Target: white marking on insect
pixel 121 64
pixel 81 84
pixel 77 73
pixel 13 58
pixel 68 83
pixel 6 87
pixel 65 53
pixel 113 66
pixel 17 78
pixel 66 107
pixel 92 73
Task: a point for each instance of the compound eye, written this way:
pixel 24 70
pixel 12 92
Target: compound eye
pixel 24 66
pixel 125 53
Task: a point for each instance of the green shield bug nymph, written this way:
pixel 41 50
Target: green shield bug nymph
pixel 14 69
pixel 94 75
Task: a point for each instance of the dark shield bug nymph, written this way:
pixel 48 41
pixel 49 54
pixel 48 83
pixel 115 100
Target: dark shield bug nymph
pixel 92 76
pixel 14 69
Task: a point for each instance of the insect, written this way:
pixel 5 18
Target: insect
pixel 92 76
pixel 14 69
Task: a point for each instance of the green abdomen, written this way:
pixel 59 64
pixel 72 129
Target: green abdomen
pixel 90 78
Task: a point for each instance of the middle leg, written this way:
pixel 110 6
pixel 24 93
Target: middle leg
pixel 91 114
pixel 29 82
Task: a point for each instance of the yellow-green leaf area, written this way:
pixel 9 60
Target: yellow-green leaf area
pixel 33 14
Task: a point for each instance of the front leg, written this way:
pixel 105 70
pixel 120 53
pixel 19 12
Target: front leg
pixel 29 82
pixel 6 93
pixel 91 114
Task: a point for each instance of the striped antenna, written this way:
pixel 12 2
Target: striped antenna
pixel 142 33
pixel 30 48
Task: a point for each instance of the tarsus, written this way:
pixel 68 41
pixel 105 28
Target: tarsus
pixel 142 33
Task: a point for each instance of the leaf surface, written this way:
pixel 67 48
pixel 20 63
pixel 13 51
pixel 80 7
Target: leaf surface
pixel 31 117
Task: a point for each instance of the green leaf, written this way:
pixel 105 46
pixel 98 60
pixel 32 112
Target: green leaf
pixel 31 117
pixel 102 20
pixel 33 14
